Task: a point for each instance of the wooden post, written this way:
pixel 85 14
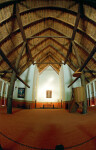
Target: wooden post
pixel 13 77
pixel 82 80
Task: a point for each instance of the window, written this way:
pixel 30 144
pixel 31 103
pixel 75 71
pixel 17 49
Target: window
pixel 48 94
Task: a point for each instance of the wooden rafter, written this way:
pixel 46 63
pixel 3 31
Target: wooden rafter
pixel 85 63
pixel 80 60
pixel 22 32
pixel 89 71
pixel 55 61
pixel 44 67
pixel 45 61
pixel 45 56
pixel 6 71
pixel 55 31
pixel 74 33
pixel 10 65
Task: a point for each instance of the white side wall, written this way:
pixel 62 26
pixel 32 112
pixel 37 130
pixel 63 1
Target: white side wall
pixel 27 76
pixel 68 72
pixel 35 84
pixel 67 78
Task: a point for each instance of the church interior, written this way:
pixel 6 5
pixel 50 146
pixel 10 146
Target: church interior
pixel 47 74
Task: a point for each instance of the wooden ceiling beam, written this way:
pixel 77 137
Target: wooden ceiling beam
pixel 69 61
pixel 80 60
pixel 85 63
pixel 47 54
pixel 57 20
pixel 46 47
pixel 22 32
pixel 10 65
pixel 7 61
pixel 39 54
pixel 74 55
pixel 9 1
pixel 33 37
pixel 55 61
pixel 85 50
pixel 73 34
pixel 62 55
pixel 89 71
pixel 4 3
pixel 45 57
pixel 6 71
pixel 48 63
pixel 42 58
pixel 58 60
pixel 45 67
pixel 66 23
pixel 59 33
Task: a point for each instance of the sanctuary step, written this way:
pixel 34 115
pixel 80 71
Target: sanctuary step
pixel 48 105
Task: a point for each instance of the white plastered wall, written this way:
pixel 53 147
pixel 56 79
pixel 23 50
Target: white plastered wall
pixel 48 80
pixel 27 76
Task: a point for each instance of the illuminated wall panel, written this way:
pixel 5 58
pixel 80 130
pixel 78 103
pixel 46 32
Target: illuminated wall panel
pixel 48 80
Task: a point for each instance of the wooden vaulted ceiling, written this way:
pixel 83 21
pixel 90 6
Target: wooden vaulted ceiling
pixel 42 22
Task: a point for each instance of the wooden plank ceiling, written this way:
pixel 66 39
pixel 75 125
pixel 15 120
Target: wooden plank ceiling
pixel 49 28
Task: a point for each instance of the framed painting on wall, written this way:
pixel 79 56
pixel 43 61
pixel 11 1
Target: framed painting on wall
pixel 49 94
pixel 21 92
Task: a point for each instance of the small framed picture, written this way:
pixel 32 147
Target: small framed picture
pixel 21 92
pixel 49 94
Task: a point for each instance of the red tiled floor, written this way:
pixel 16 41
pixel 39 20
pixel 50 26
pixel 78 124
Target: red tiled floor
pixel 46 128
